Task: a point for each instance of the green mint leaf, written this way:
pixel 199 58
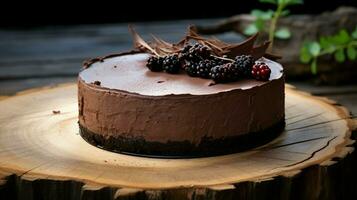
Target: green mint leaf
pixel 341 38
pixel 305 56
pixel 340 56
pixel 257 12
pixel 259 24
pixel 354 33
pixel 269 14
pixel 324 42
pixel 251 29
pixel 268 1
pixel 264 15
pixel 314 48
pixel 344 36
pixel 282 33
pixel 351 53
pixel 313 66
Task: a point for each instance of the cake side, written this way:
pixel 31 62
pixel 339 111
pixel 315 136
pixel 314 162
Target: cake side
pixel 184 117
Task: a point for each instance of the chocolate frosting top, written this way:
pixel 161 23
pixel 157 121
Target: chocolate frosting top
pixel 129 73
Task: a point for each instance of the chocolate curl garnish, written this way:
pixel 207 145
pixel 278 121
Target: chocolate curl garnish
pixel 162 43
pixel 215 48
pixel 244 47
pixel 259 51
pixel 219 42
pixel 163 47
pixel 182 42
pixel 231 50
pixel 219 48
pixel 139 43
pixel 215 44
pixel 272 56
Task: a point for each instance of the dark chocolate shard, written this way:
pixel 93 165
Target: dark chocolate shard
pixel 259 51
pixel 272 56
pixel 140 44
pixel 219 48
pixel 244 47
pixel 162 47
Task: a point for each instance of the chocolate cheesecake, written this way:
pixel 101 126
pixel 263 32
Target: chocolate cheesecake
pixel 125 107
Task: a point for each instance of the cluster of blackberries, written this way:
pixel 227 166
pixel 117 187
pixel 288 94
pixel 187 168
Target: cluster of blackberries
pixel 198 61
pixel 201 68
pixel 239 68
pixel 171 64
pixel 195 53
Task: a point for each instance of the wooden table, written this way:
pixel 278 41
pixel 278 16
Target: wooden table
pixel 52 55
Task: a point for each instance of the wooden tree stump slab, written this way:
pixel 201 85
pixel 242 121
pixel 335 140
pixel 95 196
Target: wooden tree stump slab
pixel 42 156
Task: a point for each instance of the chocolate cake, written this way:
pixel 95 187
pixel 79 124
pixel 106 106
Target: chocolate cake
pixel 125 107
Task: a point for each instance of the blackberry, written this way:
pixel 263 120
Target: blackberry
pixel 233 71
pixel 244 64
pixel 220 74
pixel 191 69
pixel 171 64
pixel 224 73
pixel 186 48
pixel 204 68
pixel 261 71
pixel 184 52
pixel 219 61
pixel 155 64
pixel 198 52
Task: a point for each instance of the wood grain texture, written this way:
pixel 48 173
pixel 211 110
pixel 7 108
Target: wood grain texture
pixel 42 156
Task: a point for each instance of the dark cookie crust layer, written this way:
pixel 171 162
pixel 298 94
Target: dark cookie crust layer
pixel 207 146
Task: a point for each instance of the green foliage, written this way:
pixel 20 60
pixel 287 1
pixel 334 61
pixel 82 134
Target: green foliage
pixel 314 49
pixel 259 24
pixel 354 34
pixel 340 56
pixel 282 33
pixel 305 55
pixel 351 53
pixel 342 45
pixel 262 17
pixel 251 29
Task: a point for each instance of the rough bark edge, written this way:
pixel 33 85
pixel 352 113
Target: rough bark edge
pixel 333 178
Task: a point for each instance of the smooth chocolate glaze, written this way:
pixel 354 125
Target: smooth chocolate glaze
pixel 131 75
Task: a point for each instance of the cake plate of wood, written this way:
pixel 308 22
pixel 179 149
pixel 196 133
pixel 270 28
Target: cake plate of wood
pixel 43 156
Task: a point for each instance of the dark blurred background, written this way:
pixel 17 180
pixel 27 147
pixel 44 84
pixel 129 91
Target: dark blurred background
pixel 31 13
